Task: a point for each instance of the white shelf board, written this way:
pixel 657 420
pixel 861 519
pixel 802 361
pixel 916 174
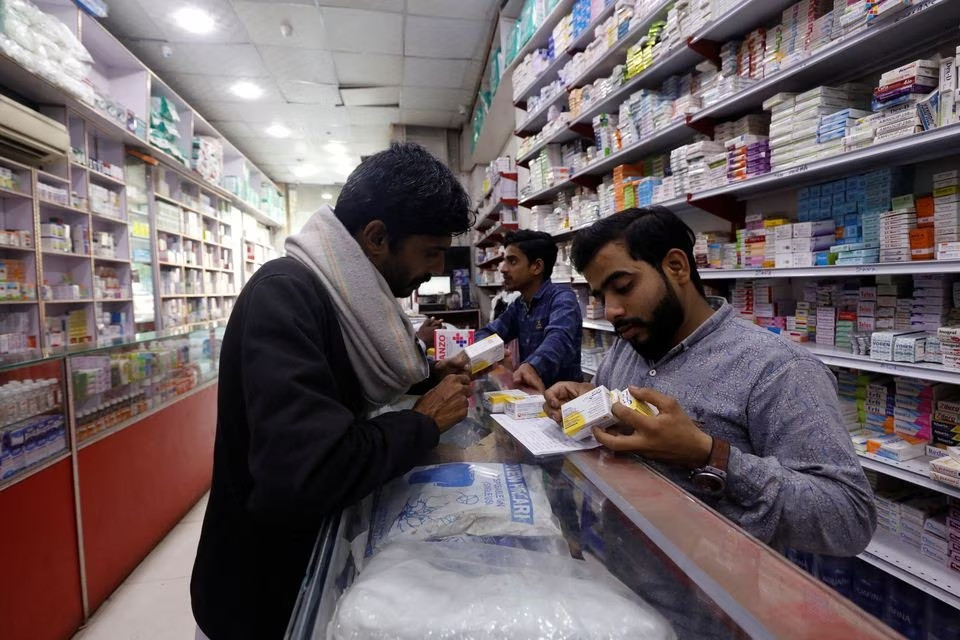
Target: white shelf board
pixel 537 120
pixel 543 79
pixel 889 268
pixel 863 50
pixel 899 559
pixel 561 135
pixel 539 39
pixel 668 137
pixel 590 371
pixel 921 371
pixel 914 471
pixel 919 147
pixel 599 325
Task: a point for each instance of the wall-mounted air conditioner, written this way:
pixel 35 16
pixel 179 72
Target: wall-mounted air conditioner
pixel 30 137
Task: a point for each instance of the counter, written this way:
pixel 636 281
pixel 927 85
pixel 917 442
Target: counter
pixel 628 523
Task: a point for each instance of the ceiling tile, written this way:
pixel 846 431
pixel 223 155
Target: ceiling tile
pixel 228 26
pixel 236 130
pixel 425 117
pixel 433 98
pixel 198 89
pixel 298 64
pixel 300 92
pixel 444 37
pixel 263 23
pixel 433 72
pixel 131 21
pixel 396 6
pixel 370 133
pixel 474 9
pixel 373 115
pixel 234 60
pixel 367 69
pixel 363 31
pixel 374 96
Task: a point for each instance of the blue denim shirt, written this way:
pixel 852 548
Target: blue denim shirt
pixel 549 331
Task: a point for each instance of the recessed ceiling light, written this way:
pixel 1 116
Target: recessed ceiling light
pixel 194 20
pixel 277 130
pixel 335 147
pixel 304 170
pixel 326 195
pixel 246 90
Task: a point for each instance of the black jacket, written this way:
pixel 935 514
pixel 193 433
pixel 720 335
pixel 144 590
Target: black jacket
pixel 291 447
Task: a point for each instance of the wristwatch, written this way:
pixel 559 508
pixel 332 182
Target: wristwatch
pixel 712 477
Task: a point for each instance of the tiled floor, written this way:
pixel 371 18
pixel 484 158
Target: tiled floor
pixel 153 603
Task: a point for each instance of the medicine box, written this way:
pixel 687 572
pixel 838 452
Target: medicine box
pixel 485 353
pixel 526 407
pixel 450 342
pixel 595 409
pixel 496 401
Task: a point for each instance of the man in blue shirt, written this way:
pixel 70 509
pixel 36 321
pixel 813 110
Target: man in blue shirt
pixel 545 319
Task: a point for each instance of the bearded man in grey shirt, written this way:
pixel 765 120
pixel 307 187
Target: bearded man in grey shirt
pixel 749 423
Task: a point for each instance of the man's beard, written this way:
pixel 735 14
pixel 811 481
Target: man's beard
pixel 666 319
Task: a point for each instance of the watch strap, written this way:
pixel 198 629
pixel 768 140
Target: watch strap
pixel 719 454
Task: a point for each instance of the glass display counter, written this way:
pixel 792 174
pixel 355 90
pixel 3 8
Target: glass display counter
pixel 624 530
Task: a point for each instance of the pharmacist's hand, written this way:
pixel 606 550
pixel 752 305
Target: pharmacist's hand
pixel 671 437
pixel 425 332
pixel 456 365
pixel 447 402
pixel 560 393
pixel 526 378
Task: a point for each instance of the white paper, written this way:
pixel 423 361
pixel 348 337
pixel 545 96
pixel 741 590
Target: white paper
pixel 543 436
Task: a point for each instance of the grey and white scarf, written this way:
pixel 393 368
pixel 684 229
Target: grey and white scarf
pixel 379 338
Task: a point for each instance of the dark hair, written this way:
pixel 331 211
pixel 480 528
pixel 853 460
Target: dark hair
pixel 408 189
pixel 536 245
pixel 649 233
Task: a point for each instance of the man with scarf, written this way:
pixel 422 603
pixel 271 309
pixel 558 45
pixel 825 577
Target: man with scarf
pixel 315 345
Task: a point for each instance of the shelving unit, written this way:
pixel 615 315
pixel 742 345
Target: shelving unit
pixel 914 471
pixel 886 552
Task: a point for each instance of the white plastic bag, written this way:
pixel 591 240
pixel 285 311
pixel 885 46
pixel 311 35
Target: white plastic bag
pixel 461 498
pixel 442 590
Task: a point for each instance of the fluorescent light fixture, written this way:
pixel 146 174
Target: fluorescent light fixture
pixel 326 195
pixel 304 170
pixel 277 130
pixel 246 90
pixel 194 20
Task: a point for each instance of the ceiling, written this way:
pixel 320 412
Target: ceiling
pixel 336 73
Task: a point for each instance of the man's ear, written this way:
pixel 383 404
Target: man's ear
pixel 676 266
pixel 373 239
pixel 537 266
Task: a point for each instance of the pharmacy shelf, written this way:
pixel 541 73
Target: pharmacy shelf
pixel 17 302
pixel 498 126
pixel 490 286
pixel 914 471
pixel 666 138
pixel 168 296
pixel 491 214
pixel 889 268
pixel 103 179
pixel 545 195
pixel 835 357
pixel 490 263
pixel 68 254
pixel 927 145
pixel 51 176
pixel 62 207
pixel 888 553
pixel 9 247
pixel 14 194
pixel 496 234
pixel 97 258
pixel 109 300
pixel 111 219
pixel 540 37
pixel 561 135
pixel 537 120
pixel 75 301
pixel 862 51
pixel 546 77
pixel 580 43
pixel 566 234
pixel 598 325
pixel 590 371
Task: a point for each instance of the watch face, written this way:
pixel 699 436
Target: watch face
pixel 707 481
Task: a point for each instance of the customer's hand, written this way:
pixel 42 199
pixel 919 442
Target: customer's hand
pixel 456 365
pixel 526 378
pixel 446 403
pixel 671 437
pixel 425 332
pixel 560 393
